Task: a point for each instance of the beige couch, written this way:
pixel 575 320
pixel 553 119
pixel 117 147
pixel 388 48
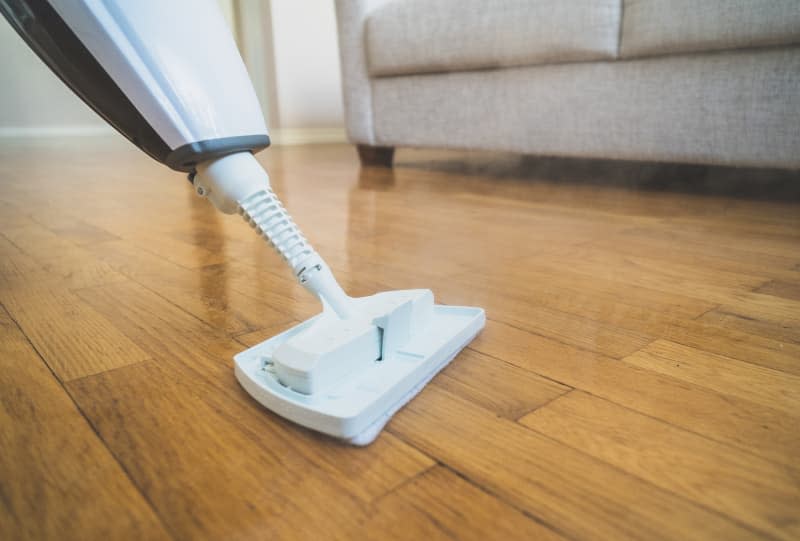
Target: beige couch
pixel 707 81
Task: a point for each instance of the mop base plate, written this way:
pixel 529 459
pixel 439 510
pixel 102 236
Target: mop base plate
pixel 357 407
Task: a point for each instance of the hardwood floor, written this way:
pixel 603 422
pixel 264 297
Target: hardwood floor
pixel 638 378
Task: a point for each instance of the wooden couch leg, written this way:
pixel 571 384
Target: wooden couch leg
pixel 375 156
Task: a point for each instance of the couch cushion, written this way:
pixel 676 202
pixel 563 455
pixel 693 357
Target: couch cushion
pixel 656 27
pixel 419 36
pixel 738 108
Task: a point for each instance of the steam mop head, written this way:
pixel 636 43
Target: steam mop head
pixel 346 371
pixel 347 378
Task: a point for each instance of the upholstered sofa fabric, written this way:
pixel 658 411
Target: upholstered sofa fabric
pixel 660 27
pixel 706 81
pixel 739 108
pixel 424 36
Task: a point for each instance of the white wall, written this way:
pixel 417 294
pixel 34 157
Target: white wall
pixel 308 81
pixel 297 37
pixel 32 99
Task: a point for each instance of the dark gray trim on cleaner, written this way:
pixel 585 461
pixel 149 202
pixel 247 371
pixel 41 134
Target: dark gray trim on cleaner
pixel 56 44
pixel 186 157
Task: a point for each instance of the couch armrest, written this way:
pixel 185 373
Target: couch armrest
pixel 351 18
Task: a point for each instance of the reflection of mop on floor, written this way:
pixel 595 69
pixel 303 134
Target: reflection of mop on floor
pixel 181 93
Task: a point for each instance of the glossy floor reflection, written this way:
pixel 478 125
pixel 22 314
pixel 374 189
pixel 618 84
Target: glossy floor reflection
pixel 639 376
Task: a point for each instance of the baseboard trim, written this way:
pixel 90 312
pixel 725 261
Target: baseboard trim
pixel 86 130
pixel 307 136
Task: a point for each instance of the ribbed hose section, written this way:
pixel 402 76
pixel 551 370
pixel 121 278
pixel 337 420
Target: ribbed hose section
pixel 265 213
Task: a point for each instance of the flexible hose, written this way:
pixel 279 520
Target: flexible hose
pixel 266 214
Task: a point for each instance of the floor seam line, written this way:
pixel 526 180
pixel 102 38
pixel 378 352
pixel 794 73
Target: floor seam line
pixel 94 430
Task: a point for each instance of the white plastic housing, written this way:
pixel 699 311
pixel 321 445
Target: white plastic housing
pixel 230 179
pixel 357 406
pixel 330 351
pixel 175 60
pixel 320 357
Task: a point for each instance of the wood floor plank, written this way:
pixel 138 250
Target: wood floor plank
pixel 711 286
pixel 728 376
pixel 710 257
pixel 768 308
pixel 74 340
pixel 82 270
pixel 58 479
pixel 551 481
pixel 783 289
pixel 164 245
pixel 505 389
pixel 617 266
pixel 646 312
pixel 788 332
pixel 451 508
pixel 256 337
pixel 162 328
pixel 704 333
pixel 762 314
pixel 70 227
pixel 726 242
pixel 57 259
pixel 206 295
pixel 753 491
pixel 81 233
pixel 764 431
pixel 592 297
pixel 40 243
pixel 17 268
pixel 576 330
pixel 133 261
